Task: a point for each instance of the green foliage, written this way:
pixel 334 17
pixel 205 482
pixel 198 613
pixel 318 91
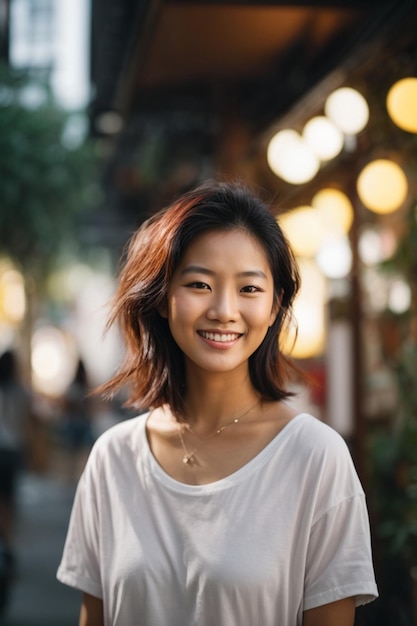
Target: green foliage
pixel 393 453
pixel 405 258
pixel 45 185
pixel 395 459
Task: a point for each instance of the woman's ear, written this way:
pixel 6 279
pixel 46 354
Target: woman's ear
pixel 273 317
pixel 163 310
pixel 276 307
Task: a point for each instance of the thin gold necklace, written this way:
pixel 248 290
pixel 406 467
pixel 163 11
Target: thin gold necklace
pixel 189 457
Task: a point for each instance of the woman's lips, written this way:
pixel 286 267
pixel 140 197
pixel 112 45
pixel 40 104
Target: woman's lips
pixel 219 337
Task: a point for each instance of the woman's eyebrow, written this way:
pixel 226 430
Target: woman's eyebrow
pixel 198 269
pixel 254 273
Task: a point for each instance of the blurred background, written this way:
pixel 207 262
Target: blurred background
pixel 108 110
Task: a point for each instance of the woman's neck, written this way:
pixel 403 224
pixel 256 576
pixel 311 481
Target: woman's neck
pixel 213 401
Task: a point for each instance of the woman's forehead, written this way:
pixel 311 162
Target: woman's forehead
pixel 237 247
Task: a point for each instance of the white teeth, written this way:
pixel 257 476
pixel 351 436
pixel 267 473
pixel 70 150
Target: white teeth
pixel 220 337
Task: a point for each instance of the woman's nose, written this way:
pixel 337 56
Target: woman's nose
pixel 223 307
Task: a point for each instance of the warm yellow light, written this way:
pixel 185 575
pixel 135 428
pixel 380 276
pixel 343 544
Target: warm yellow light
pixel 323 137
pixel 370 247
pixel 309 314
pixel 382 186
pixel 348 110
pixel 402 104
pixel 12 296
pixel 336 210
pixel 335 257
pixel 304 229
pixel 375 246
pixel 290 158
pixel 400 296
pixel 67 282
pixel 109 123
pixel 53 360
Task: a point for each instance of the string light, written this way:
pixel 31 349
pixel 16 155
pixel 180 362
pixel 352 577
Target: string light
pixel 290 158
pixel 382 186
pixel 402 104
pixel 348 110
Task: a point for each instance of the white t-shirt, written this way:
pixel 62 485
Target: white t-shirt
pixel 287 532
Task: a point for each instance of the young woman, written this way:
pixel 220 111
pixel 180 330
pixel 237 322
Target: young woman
pixel 220 506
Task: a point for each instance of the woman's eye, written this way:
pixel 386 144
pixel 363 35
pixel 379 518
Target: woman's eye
pixel 250 289
pixel 198 285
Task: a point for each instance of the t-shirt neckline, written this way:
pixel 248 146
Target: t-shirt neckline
pixel 228 481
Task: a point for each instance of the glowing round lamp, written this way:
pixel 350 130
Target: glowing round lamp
pixel 304 230
pixel 278 148
pixel 309 314
pixel 375 246
pixel 402 104
pixel 370 247
pixel 53 360
pixel 12 296
pixel 109 123
pixel 336 209
pixel 348 110
pixel 323 137
pixel 290 158
pixel 382 186
pixel 399 299
pixel 335 257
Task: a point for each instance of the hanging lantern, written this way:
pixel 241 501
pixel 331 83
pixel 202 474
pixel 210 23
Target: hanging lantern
pixel 336 209
pixel 323 137
pixel 375 246
pixel 290 158
pixel 402 104
pixel 400 296
pixel 382 186
pixel 309 314
pixel 12 295
pixel 348 110
pixel 304 229
pixel 335 257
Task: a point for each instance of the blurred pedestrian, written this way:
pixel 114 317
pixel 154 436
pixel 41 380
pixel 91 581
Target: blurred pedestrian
pixel 221 506
pixel 14 424
pixel 77 424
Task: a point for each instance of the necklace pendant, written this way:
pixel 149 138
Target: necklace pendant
pixel 188 458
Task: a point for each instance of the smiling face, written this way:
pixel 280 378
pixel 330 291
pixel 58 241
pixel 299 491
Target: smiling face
pixel 221 302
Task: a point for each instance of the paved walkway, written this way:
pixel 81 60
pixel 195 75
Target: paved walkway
pixel 37 597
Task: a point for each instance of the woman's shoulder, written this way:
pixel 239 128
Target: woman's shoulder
pixel 314 430
pixel 126 433
pixel 117 446
pixel 325 452
pixel 314 439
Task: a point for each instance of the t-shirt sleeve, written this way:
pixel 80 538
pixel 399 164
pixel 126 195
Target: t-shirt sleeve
pixel 339 557
pixel 80 564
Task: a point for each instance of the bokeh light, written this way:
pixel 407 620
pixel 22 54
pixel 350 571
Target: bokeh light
pixel 304 230
pixel 309 313
pixel 336 209
pixel 375 246
pixel 12 295
pixel 53 360
pixel 335 257
pixel 402 104
pixel 323 137
pixel 348 110
pixel 382 186
pixel 399 298
pixel 290 158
